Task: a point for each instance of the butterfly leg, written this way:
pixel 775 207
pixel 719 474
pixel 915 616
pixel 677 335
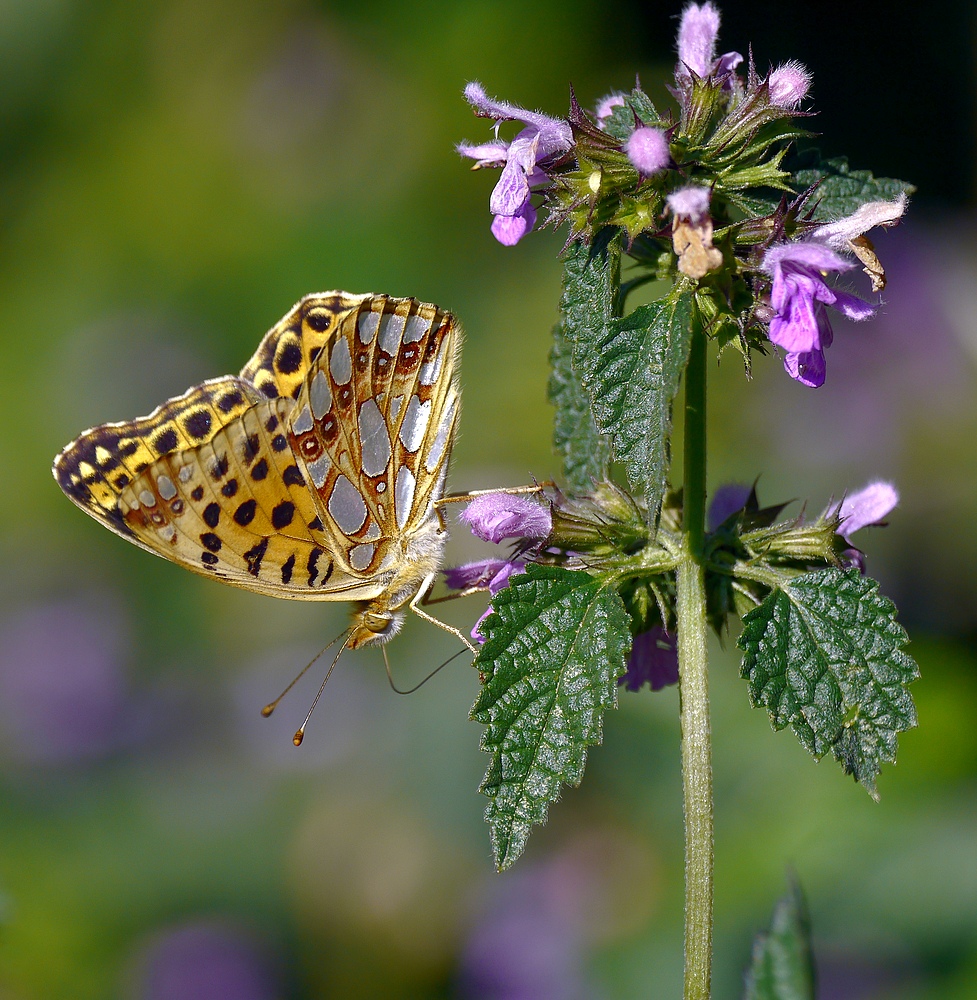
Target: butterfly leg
pixel 420 597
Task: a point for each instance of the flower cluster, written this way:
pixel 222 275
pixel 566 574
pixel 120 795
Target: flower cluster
pixel 676 181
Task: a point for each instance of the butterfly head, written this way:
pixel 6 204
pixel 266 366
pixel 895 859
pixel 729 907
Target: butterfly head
pixel 374 625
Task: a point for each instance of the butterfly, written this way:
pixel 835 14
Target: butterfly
pixel 315 474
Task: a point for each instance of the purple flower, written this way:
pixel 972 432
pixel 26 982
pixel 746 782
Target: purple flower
pixel 690 202
pixel 858 510
pixel 203 959
pixel 653 660
pixel 697 34
pixel 867 506
pixel 799 298
pixel 523 161
pixel 647 149
pixel 788 84
pixel 726 501
pixel 485 574
pixel 494 517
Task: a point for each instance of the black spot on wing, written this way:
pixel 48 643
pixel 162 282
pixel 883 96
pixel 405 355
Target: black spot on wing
pixel 210 541
pixel 260 470
pixel 165 443
pixel 287 568
pixel 229 401
pixel 244 515
pixel 229 488
pixel 281 516
pixel 289 357
pixel 198 423
pixel 255 555
pixel 292 477
pixel 212 515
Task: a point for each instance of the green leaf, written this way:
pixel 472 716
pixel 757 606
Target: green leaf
pixel 824 654
pixel 783 966
pixel 632 378
pixel 556 644
pixel 591 278
pixel 620 124
pixel 585 452
pixel 842 190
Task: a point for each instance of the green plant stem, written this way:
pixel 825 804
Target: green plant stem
pixel 694 687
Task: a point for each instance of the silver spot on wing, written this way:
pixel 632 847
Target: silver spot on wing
pixel 320 396
pixel 374 439
pixel 367 324
pixel 340 362
pixel 346 506
pixel 166 488
pixel 303 422
pixel 441 440
pixel 360 556
pixel 391 332
pixel 318 470
pixel 430 372
pixel 415 328
pixel 415 423
pixel 404 495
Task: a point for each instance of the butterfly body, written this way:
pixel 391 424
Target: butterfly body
pixel 313 475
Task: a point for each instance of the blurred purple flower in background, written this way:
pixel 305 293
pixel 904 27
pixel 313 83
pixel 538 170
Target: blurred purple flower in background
pixel 523 160
pixel 204 960
pixel 485 574
pixel 63 689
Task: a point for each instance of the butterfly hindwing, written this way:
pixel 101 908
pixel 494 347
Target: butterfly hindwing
pixel 375 420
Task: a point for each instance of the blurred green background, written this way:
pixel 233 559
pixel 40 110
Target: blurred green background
pixel 173 176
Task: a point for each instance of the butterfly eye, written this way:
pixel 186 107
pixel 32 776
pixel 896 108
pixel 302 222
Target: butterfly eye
pixel 319 321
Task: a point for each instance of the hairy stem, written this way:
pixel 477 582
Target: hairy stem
pixel 694 687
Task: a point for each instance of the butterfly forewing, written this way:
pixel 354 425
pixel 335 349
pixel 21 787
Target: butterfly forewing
pixel 94 469
pixel 290 348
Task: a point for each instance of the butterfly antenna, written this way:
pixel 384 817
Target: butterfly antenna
pixel 300 732
pixel 272 705
pixel 397 690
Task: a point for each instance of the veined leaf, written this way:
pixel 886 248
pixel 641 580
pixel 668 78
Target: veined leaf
pixel 843 190
pixel 556 644
pixel 824 654
pixel 585 452
pixel 636 368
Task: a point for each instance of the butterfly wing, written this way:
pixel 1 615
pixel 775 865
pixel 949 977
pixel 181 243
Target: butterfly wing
pixel 290 348
pixel 238 509
pixel 374 422
pixel 96 467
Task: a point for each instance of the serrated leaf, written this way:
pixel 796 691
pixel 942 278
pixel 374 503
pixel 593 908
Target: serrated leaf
pixel 783 965
pixel 556 644
pixel 585 452
pixel 824 654
pixel 843 190
pixel 591 278
pixel 634 375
